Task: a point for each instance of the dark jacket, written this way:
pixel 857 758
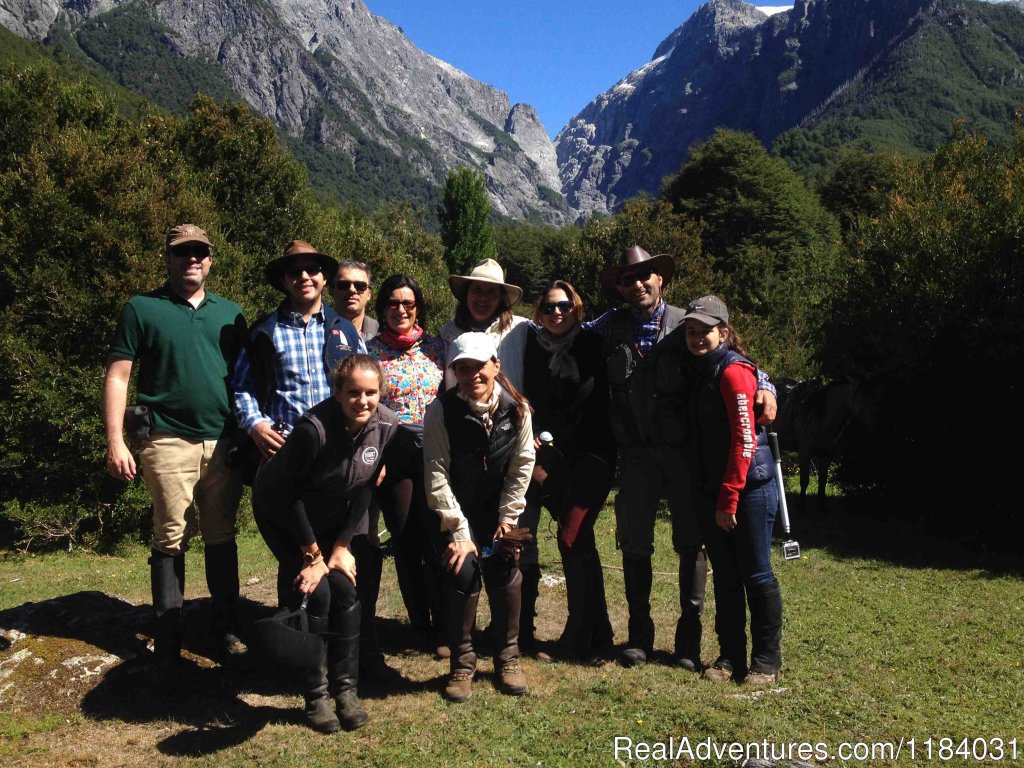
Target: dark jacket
pixel 710 425
pixel 307 486
pixel 631 377
pixel 341 339
pixel 575 413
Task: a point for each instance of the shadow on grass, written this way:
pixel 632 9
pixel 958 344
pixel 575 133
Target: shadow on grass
pixel 860 528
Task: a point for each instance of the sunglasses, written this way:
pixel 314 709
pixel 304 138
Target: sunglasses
pixel 344 285
pixel 643 275
pixel 199 252
pixel 407 304
pixel 310 269
pixel 549 307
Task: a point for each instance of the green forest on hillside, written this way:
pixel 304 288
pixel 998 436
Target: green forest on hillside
pixel 903 273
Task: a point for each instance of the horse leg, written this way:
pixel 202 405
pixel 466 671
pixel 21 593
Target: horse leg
pixel 805 478
pixel 823 464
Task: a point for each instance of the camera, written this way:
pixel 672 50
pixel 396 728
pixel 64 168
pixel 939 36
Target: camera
pixel 790 550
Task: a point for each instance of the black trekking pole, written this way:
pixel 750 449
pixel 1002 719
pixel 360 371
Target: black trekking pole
pixel 790 548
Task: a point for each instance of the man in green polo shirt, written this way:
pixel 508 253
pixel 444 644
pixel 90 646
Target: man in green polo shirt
pixel 185 339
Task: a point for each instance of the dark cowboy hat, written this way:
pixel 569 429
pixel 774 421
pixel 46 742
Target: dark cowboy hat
pixel 634 257
pixel 276 268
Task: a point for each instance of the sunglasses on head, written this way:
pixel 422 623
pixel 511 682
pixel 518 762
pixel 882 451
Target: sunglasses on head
pixel 310 269
pixel 643 275
pixel 549 307
pixel 407 304
pixel 189 251
pixel 344 285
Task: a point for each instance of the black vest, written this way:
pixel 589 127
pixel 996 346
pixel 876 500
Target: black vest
pixel 631 377
pixel 479 461
pixel 710 422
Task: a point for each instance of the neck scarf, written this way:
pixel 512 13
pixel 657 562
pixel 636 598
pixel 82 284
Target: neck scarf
pixel 401 341
pixel 562 365
pixel 484 408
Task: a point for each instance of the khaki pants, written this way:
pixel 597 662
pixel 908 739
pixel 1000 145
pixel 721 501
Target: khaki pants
pixel 190 483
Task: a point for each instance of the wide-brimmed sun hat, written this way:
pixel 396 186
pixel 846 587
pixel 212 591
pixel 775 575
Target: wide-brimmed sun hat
pixel 487 271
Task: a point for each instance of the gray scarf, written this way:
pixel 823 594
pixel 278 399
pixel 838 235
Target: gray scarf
pixel 562 365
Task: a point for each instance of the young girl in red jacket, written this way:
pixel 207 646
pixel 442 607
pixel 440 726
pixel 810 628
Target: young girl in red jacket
pixel 735 496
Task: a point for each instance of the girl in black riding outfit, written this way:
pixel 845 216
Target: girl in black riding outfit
pixel 309 502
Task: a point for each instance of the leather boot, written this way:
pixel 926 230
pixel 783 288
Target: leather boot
pixel 461 617
pixel 319 714
pixel 577 636
pixel 438 599
pixel 529 591
pixel 343 667
pixel 638 577
pixel 693 576
pixel 602 634
pixel 369 565
pixel 506 608
pixel 222 581
pixel 765 602
pixel 167 579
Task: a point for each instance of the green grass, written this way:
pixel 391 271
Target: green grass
pixel 888 634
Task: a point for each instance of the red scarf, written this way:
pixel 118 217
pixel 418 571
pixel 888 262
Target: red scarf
pixel 399 341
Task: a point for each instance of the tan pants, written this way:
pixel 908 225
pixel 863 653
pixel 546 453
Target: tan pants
pixel 189 482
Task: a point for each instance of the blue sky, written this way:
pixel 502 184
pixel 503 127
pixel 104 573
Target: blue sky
pixel 556 56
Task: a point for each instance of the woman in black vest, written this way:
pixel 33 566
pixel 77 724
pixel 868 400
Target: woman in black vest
pixel 309 502
pixel 478 455
pixel 566 380
pixel 735 496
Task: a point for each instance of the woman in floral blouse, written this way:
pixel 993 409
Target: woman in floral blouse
pixel 413 363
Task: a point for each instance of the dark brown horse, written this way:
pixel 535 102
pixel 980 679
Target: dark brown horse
pixel 813 420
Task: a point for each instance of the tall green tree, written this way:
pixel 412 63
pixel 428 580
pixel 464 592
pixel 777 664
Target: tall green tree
pixel 772 241
pixel 466 229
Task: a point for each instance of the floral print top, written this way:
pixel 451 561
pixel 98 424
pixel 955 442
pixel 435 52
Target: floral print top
pixel 413 375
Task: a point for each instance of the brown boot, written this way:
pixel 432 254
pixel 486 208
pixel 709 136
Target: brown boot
pixel 506 605
pixel 461 616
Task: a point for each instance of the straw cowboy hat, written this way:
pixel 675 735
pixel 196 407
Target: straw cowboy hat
pixel 276 268
pixel 487 271
pixel 632 258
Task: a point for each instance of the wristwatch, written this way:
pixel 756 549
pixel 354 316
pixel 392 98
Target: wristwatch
pixel 312 558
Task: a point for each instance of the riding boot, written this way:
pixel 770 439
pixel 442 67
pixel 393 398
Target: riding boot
pixel 577 636
pixel 638 576
pixel 412 582
pixel 602 634
pixel 369 565
pixel 343 666
pixel 693 576
pixel 765 602
pixel 318 711
pixel 506 608
pixel 167 579
pixel 461 617
pixel 437 599
pixel 529 592
pixel 222 581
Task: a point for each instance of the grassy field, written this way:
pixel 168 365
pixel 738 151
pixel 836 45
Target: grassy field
pixel 889 635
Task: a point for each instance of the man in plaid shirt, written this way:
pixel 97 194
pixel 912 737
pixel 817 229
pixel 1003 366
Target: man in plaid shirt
pixel 285 368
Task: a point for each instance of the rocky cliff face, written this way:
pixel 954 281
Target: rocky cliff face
pixel 728 65
pixel 336 75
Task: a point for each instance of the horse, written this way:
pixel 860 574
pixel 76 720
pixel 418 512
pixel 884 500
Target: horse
pixel 813 420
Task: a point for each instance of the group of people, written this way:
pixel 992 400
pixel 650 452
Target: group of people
pixel 458 441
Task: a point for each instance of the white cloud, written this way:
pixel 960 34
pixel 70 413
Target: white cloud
pixel 771 10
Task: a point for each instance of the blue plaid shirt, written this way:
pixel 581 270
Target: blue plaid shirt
pixel 300 374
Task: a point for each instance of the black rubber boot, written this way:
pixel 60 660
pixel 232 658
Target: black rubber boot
pixel 765 602
pixel 577 636
pixel 222 581
pixel 638 577
pixel 461 617
pixel 506 610
pixel 693 577
pixel 343 667
pixel 602 634
pixel 319 713
pixel 167 579
pixel 529 592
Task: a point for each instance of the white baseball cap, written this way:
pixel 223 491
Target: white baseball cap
pixel 474 346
